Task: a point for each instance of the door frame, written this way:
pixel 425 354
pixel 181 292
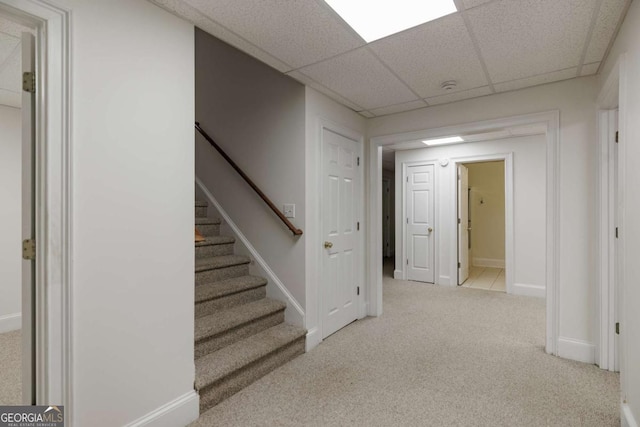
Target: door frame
pixel 386 249
pixel 313 321
pixel 405 251
pixel 509 231
pixel 53 197
pixel 610 278
pixel 551 119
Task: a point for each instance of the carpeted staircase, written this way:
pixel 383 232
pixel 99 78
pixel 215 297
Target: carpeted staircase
pixel 240 335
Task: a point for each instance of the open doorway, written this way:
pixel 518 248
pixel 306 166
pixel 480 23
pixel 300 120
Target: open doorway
pixel 17 213
pixel 481 225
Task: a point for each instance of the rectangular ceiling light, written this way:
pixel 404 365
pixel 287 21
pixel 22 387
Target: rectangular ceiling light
pixel 375 19
pixel 443 141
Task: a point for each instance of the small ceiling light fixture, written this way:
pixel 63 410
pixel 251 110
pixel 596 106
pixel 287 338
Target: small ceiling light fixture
pixel 443 141
pixel 375 19
pixel 449 85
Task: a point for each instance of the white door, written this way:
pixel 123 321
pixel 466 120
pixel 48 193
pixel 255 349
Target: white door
pixel 463 224
pixel 340 231
pixel 420 225
pixel 386 218
pixel 28 225
pixel 616 251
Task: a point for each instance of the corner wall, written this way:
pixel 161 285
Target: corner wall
pixel 576 101
pixel 10 218
pixel 628 42
pixel 257 116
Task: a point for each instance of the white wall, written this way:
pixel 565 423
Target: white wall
pixel 319 109
pixel 256 115
pixel 628 41
pixel 10 218
pixel 529 204
pixel 486 206
pixel 133 210
pixel 576 101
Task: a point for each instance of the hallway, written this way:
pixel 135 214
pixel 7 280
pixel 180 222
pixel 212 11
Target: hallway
pixel 438 356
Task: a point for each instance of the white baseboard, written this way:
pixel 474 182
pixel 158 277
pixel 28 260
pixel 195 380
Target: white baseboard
pixel 445 281
pixel 397 274
pixel 488 262
pixel 293 314
pixel 529 290
pixel 581 351
pixel 313 339
pixel 10 322
pixel 179 412
pixel 626 418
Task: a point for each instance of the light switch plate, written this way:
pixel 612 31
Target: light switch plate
pixel 289 210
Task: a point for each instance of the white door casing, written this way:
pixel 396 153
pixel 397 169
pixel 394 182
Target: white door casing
pixel 463 224
pixel 420 223
pixel 386 217
pixel 341 189
pixel 28 225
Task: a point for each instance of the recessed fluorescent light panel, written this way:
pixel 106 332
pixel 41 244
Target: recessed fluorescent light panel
pixel 375 19
pixel 443 141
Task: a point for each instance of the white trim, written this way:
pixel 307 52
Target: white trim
pixel 626 416
pixel 609 277
pixel 582 351
pixel 294 313
pixel 509 230
pixel 528 290
pixel 313 338
pixel 397 274
pixel 358 138
pixel 179 412
pixel 10 322
pixel 488 262
pixel 552 120
pixel 53 200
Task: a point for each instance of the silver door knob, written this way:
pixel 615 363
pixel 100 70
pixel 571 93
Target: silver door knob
pixel 328 245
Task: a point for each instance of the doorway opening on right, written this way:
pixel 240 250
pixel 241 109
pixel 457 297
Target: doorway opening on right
pixel 481 225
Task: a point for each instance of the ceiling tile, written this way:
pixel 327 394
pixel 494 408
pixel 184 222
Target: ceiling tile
pixel 7 45
pixel 608 19
pixel 399 108
pixel 536 80
pixel 525 38
pixel 183 10
pixel 11 72
pixel 589 69
pixel 12 99
pixel 468 4
pixel 430 54
pixel 459 96
pixel 359 76
pixel 296 32
pixel 306 80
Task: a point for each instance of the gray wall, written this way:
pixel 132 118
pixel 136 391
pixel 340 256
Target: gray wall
pixel 257 115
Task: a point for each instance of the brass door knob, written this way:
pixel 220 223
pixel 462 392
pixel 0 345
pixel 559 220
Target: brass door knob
pixel 328 245
pixel 430 229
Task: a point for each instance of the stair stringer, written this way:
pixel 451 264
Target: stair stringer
pixel 294 313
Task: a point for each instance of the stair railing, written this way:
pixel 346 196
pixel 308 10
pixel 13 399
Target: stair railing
pixel 296 231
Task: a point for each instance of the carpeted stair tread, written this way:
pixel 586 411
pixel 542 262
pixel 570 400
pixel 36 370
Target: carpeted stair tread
pixel 207 221
pixel 215 324
pixel 220 262
pixel 217 365
pixel 221 288
pixel 216 240
pixel 202 203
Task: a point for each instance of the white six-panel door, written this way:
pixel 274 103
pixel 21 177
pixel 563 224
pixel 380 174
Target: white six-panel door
pixel 463 224
pixel 339 204
pixel 419 223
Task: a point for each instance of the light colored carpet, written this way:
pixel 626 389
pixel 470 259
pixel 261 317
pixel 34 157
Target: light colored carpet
pixel 11 368
pixel 438 356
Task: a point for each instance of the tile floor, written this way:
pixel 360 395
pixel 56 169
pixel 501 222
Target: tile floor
pixel 487 278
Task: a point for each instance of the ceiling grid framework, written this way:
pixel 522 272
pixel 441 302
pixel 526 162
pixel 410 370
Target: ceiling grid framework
pixel 487 47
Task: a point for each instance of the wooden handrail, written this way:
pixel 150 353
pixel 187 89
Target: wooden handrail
pixel 290 226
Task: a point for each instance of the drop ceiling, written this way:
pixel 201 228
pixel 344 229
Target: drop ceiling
pixel 488 46
pixel 10 62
